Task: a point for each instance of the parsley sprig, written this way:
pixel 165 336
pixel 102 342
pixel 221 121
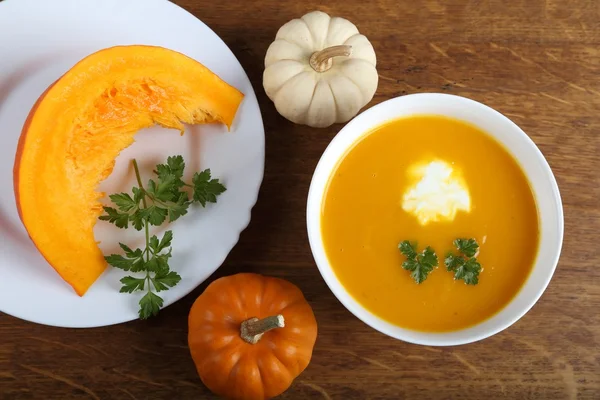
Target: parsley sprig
pixel 464 265
pixel 420 264
pixel 163 198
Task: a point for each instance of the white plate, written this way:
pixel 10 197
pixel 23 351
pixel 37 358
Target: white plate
pixel 43 39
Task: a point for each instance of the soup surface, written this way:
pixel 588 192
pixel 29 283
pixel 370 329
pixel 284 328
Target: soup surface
pixel 432 180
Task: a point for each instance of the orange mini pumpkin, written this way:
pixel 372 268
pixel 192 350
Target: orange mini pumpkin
pixel 250 336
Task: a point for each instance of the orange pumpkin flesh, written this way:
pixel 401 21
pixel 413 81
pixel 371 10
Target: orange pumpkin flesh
pixel 79 126
pixel 234 368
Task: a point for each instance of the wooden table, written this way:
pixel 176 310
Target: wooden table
pixel 536 61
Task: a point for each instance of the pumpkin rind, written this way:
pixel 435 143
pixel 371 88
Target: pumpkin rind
pixel 234 368
pixel 82 122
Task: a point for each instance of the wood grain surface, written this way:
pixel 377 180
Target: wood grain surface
pixel 537 62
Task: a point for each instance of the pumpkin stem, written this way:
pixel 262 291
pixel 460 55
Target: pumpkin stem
pixel 252 329
pixel 322 60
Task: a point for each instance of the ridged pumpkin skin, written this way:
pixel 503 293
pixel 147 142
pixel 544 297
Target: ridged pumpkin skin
pixel 81 123
pixel 233 368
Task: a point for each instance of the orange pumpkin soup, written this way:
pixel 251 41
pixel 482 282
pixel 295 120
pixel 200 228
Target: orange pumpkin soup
pixel 429 179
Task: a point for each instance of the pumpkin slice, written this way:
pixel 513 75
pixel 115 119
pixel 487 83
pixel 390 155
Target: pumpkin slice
pixel 79 126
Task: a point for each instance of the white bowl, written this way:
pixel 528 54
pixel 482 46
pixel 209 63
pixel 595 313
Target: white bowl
pixel 522 149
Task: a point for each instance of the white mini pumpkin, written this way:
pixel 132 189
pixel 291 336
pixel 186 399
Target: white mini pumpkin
pixel 320 70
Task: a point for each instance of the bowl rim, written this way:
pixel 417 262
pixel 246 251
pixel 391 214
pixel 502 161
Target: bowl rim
pixel 449 338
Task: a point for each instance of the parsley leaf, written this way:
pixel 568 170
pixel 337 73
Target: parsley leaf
pixel 206 189
pixel 412 265
pixel 465 266
pixel 453 262
pixel 165 196
pixel 174 167
pixel 154 215
pixel 408 249
pixel 118 261
pixel 420 264
pixel 162 263
pixel 168 188
pixel 163 190
pixel 428 258
pixel 137 219
pixel 131 284
pixel 177 165
pixel 468 247
pixel 138 265
pixel 150 304
pixel 153 242
pixel 131 253
pixel 179 208
pixel 152 265
pixel 118 218
pixel 166 281
pixel 138 195
pixel 165 241
pixel 469 272
pixel 159 263
pixel 123 201
pixel 133 260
